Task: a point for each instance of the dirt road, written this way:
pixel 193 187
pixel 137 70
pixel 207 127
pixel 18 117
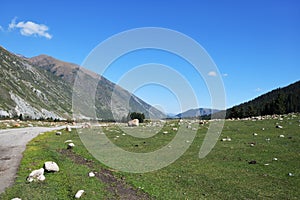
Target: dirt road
pixel 12 144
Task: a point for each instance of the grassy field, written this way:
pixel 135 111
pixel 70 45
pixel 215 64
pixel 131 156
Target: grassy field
pixel 224 174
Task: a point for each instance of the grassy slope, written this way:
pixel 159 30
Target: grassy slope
pixel 223 174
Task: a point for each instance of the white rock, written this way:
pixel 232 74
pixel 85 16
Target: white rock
pixel 36 175
pixel 275 159
pixel 58 133
pixel 92 174
pixel 16 199
pixel 278 126
pixel 254 134
pixel 224 139
pixel 174 129
pixel 41 178
pixel 71 145
pixel 252 145
pixel 267 164
pixel 51 166
pixel 68 128
pixel 229 139
pixel 68 141
pixel 78 194
pixel 290 174
pixel 281 136
pixel 165 132
pixel 263 129
pixel 134 122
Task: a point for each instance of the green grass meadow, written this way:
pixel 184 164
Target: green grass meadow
pixel 225 173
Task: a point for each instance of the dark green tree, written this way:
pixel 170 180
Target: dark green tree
pixel 139 116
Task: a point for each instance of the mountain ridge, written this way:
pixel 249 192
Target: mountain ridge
pixel 33 83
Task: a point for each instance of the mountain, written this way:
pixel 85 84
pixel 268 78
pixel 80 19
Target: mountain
pixel 43 87
pixel 31 91
pixel 192 113
pixel 278 101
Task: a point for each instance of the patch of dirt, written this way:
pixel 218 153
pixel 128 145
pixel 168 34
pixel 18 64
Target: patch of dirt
pixel 118 189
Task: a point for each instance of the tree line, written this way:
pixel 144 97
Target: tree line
pixel 279 101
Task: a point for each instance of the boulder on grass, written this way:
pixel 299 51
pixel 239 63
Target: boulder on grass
pixel 71 145
pixel 36 175
pixel 79 194
pixel 134 122
pixel 51 166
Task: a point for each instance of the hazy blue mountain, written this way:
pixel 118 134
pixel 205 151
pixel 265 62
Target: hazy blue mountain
pixel 198 112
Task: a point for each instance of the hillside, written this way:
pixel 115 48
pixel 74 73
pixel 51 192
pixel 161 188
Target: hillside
pixel 279 101
pixel 31 91
pixel 41 87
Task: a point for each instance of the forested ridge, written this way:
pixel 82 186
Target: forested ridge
pixel 278 101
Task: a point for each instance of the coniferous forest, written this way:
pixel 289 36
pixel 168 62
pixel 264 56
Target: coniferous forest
pixel 279 101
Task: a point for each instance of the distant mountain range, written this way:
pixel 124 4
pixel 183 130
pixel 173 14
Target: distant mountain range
pixel 42 86
pixel 199 112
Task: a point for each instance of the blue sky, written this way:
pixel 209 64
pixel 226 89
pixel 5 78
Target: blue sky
pixel 255 44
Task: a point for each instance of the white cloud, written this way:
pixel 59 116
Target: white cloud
pixel 258 89
pixel 1 28
pixel 225 75
pixel 212 73
pixel 30 28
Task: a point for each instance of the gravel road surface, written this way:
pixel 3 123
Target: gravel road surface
pixel 12 144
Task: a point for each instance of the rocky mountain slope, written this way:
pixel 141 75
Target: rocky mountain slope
pixel 41 87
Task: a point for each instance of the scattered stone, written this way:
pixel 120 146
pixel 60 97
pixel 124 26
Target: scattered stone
pixel 268 139
pixel 252 144
pixel 226 139
pixel 275 159
pixel 123 134
pixel 86 125
pixel 252 162
pixel 92 174
pixel 290 174
pixel 165 132
pixel 255 134
pixel 79 194
pixel 267 164
pixel 175 129
pixel 36 175
pixel 71 145
pixel 51 166
pixel 278 126
pixel 263 129
pixel 30 125
pixel 281 136
pixel 16 199
pixel 58 133
pixel 68 128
